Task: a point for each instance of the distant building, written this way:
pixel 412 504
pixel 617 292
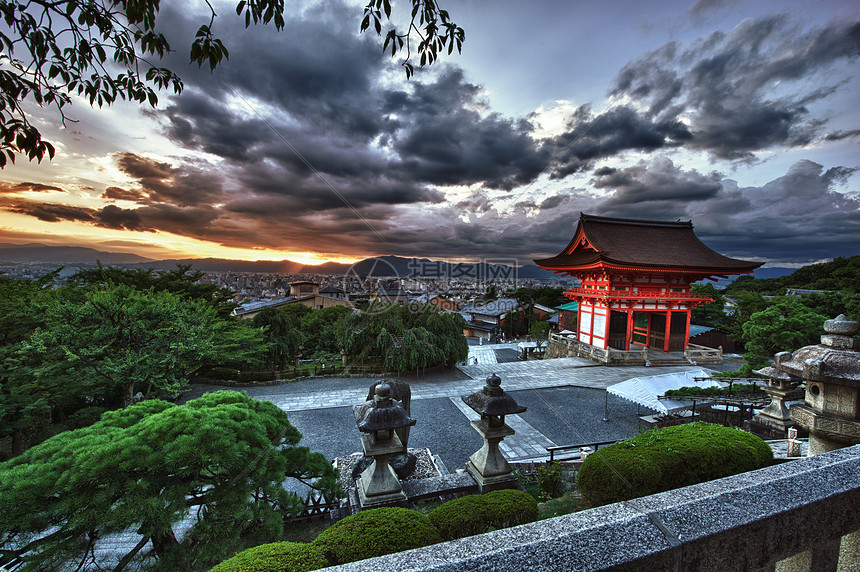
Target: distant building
pixel 804 292
pixel 302 292
pixel 486 320
pixel 396 297
pixel 636 277
pixel 567 316
pixel 308 294
pixel 334 292
pixel 437 300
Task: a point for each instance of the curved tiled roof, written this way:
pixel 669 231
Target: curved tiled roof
pixel 604 241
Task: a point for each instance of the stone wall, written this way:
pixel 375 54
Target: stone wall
pixel 790 517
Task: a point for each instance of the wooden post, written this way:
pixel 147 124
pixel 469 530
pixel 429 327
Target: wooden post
pixel 667 329
pixel 629 334
pixel 687 328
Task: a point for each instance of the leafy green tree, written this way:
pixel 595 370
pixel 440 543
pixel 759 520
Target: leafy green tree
pixel 840 274
pixel 219 461
pixel 784 326
pixel 22 410
pixel 404 338
pixel 104 51
pixel 543 295
pixel 282 332
pixel 710 314
pixel 119 340
pixel 319 328
pixel 182 281
pixel 539 332
pixel 746 304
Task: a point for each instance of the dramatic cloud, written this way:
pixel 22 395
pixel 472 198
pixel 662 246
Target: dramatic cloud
pixel 9 189
pixel 306 140
pixel 730 88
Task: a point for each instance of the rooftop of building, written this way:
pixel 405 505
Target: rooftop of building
pixel 625 243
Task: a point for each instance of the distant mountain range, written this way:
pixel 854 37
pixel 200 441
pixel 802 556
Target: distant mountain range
pixel 378 266
pixel 36 253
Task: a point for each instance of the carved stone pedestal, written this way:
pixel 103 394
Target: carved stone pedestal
pixel 378 485
pixel 488 466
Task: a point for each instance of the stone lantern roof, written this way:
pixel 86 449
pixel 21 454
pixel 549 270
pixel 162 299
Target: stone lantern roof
pixel 831 369
pixel 834 360
pixel 492 400
pixel 383 413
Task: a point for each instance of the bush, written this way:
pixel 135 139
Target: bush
pixel 276 557
pixel 510 508
pixel 85 417
pixel 476 514
pixel 376 532
pixel 460 517
pixel 668 458
pixel 550 481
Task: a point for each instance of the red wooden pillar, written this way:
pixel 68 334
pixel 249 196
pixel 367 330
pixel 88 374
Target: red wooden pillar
pixel 629 335
pixel 579 319
pixel 687 329
pixel 667 329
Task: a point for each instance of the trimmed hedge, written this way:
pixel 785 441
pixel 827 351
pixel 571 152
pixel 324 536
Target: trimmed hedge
pixel 663 459
pixel 476 514
pixel 276 557
pixel 376 532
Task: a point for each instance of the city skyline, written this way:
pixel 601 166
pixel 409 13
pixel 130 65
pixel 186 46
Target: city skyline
pixel 310 145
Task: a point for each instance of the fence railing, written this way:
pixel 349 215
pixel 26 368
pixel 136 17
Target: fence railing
pixel 553 450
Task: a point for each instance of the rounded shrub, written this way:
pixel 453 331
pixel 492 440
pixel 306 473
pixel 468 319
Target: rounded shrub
pixel 376 532
pixel 460 517
pixel 476 514
pixel 510 507
pixel 664 459
pixel 276 557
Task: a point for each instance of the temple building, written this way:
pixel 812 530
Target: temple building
pixel 636 277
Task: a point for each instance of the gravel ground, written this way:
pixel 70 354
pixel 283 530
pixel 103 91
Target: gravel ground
pixel 570 415
pixel 441 427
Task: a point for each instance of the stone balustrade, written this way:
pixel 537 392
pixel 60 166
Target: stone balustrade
pixel 703 354
pixel 796 516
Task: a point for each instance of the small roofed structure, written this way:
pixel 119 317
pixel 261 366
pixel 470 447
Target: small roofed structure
pixel 636 277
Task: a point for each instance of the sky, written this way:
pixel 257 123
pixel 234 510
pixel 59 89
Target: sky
pixel 309 144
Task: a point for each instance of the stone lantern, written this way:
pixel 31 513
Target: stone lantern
pixel 773 421
pixel 831 369
pixel 378 421
pixel 488 466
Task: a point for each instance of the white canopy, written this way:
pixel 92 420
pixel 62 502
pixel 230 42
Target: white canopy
pixel 645 390
pixel 567 333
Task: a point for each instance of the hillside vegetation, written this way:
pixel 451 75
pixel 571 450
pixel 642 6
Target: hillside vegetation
pixel 840 274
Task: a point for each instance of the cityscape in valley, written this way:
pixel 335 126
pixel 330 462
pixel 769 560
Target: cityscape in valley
pixel 520 286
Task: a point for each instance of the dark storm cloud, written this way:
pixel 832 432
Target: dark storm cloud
pixel 840 135
pixel 186 185
pixel 590 136
pixel 120 194
pixel 110 216
pixel 658 187
pixel 731 86
pixel 445 138
pixel 9 188
pixel 51 212
pixel 704 7
pixel 798 217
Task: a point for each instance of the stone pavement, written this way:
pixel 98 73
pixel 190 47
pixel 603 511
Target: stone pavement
pixel 529 443
pixel 515 376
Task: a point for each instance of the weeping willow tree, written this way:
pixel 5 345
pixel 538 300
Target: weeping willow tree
pixel 405 338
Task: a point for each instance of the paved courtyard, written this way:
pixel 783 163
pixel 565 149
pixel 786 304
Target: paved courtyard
pixel 565 398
